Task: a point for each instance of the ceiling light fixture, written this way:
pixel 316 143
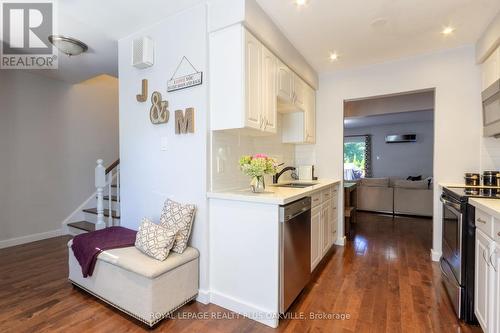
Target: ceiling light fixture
pixel 447 30
pixel 67 45
pixel 333 56
pixel 300 3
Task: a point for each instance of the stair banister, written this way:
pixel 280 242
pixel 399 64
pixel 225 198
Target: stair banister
pixel 100 183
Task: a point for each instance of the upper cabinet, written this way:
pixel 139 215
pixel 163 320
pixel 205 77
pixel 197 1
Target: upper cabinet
pixel 249 86
pixel 242 82
pixel 490 69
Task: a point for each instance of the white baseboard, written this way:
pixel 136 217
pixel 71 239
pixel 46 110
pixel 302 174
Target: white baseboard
pixel 30 238
pixel 435 255
pixel 203 296
pixel 78 210
pixel 340 241
pixel 248 310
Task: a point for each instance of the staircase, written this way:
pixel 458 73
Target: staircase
pixel 102 210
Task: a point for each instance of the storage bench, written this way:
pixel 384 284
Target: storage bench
pixel 144 288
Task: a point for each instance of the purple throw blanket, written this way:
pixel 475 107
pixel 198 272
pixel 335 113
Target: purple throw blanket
pixel 86 247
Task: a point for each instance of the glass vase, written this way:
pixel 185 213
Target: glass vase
pixel 257 185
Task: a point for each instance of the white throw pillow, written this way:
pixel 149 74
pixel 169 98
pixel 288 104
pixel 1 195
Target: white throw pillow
pixel 179 217
pixel 154 240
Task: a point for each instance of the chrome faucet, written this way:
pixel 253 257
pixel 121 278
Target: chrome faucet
pixel 278 174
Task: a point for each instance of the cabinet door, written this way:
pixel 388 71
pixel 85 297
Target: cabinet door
pixel 310 116
pixel 285 83
pixel 269 98
pixel 333 219
pixel 495 260
pixel 325 227
pixel 482 280
pixel 253 89
pixel 315 237
pixel 490 69
pixel 299 92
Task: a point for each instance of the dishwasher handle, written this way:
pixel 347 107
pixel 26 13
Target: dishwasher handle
pixel 292 216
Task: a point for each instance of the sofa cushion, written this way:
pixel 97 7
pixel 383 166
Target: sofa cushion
pixel 179 217
pixel 380 182
pixel 422 184
pixel 155 240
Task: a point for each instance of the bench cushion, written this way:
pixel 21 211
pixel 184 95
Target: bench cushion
pixel 133 260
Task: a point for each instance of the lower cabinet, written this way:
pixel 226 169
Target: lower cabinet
pixel 487 283
pixel 315 237
pixel 323 225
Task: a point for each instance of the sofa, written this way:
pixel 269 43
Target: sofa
pixel 395 196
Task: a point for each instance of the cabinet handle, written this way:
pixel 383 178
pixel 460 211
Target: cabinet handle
pixel 480 220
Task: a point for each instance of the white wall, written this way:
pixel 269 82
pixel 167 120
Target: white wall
pixel 229 146
pixel 148 174
pixel 51 134
pixel 400 159
pixel 455 77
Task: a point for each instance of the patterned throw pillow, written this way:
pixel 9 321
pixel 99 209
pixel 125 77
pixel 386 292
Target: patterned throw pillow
pixel 180 217
pixel 154 240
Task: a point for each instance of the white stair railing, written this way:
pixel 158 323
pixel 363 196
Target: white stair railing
pixel 100 183
pixel 104 180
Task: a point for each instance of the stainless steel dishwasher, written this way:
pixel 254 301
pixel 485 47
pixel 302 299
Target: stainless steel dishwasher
pixel 295 250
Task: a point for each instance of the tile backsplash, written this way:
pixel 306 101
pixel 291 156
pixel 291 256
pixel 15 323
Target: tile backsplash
pixel 229 146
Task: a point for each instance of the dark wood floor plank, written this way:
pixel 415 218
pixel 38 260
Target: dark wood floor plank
pixel 383 279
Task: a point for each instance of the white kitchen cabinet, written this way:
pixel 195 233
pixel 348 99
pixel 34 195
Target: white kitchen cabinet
pixel 300 126
pixel 242 82
pixel 323 223
pixel 316 254
pixel 253 75
pixel 325 227
pixel 310 115
pixel 269 102
pixel 482 281
pixel 490 69
pixel 495 260
pixel 285 83
pixel 299 87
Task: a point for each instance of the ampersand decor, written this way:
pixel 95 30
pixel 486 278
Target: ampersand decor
pixel 158 114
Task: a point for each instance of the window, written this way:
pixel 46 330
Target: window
pixel 354 157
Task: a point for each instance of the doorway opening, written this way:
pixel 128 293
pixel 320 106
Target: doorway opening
pixel 388 156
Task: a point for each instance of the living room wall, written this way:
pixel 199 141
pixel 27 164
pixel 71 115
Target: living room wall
pixel 400 159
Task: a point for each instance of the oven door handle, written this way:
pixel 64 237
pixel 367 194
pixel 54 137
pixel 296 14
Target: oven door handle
pixel 449 203
pixel 446 275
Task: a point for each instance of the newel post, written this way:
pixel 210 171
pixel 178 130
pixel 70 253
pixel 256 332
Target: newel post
pixel 100 183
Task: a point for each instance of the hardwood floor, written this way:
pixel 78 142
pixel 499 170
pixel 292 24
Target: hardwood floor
pixel 383 279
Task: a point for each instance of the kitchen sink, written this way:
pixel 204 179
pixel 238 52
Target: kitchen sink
pixel 295 185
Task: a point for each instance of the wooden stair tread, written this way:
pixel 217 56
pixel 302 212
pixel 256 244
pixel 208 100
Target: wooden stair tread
pixel 113 198
pixel 106 212
pixel 83 225
pixel 348 211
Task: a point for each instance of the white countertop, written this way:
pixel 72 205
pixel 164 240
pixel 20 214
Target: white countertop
pixel 490 206
pixel 273 194
pixel 462 185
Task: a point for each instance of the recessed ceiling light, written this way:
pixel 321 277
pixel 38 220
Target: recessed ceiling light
pixel 447 30
pixel 333 56
pixel 300 3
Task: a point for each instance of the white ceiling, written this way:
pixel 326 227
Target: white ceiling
pixel 100 24
pixel 388 119
pixel 411 28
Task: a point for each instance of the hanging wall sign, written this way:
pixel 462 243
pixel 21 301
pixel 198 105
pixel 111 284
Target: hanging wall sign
pixel 191 79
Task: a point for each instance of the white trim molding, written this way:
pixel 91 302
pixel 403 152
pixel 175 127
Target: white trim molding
pixel 265 317
pixel 30 238
pixel 435 255
pixel 203 296
pixel 340 241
